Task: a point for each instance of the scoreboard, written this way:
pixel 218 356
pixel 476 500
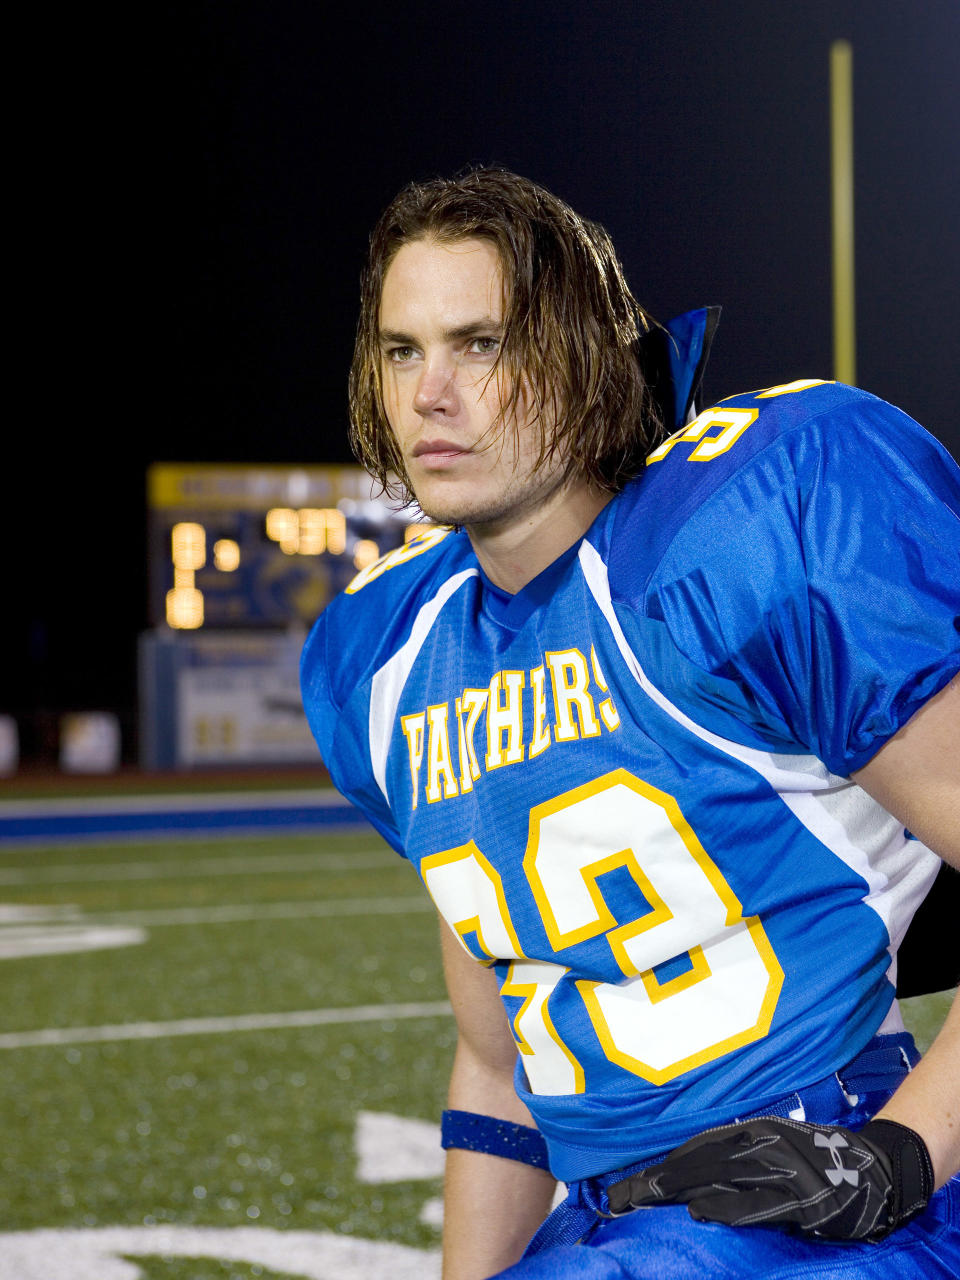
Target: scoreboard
pixel 233 546
pixel 242 559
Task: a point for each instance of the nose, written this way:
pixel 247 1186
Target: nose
pixel 436 390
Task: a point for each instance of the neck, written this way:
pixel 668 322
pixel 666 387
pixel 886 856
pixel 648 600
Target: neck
pixel 513 552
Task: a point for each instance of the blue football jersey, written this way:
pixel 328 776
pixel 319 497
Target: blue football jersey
pixel 627 786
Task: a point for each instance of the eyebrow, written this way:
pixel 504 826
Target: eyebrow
pixel 484 327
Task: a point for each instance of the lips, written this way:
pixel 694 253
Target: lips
pixel 438 454
pixel 439 448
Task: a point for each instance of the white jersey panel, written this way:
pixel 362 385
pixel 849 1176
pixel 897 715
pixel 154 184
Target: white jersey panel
pixel 387 683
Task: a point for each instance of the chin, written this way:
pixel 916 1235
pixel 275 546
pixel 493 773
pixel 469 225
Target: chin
pixel 456 514
pixel 455 509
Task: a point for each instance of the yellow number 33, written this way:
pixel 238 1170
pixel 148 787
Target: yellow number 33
pixel 655 1027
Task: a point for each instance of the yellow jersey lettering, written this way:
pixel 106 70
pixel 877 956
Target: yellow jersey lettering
pixel 505 718
pixel 472 703
pixel 608 712
pixel 466 779
pixel 541 730
pixel 413 727
pixel 571 681
pixel 514 729
pixel 439 763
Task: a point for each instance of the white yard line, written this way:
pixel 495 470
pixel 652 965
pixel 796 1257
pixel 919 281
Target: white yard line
pixel 61 939
pixel 226 914
pixel 36 930
pixel 103 1253
pixel 213 1026
pixel 66 873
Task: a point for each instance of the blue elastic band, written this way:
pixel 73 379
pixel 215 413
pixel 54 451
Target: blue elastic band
pixel 493 1137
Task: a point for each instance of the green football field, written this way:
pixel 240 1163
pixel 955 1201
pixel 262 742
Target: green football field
pixel 224 1058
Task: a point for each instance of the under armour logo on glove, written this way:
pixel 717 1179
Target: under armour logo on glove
pixel 814 1179
pixel 836 1175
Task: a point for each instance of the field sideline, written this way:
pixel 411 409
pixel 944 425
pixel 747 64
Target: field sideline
pixel 224 1057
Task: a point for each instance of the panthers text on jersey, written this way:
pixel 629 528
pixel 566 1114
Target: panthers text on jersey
pixel 627 786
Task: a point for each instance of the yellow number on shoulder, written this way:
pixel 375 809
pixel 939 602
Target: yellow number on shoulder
pixel 733 423
pixel 417 545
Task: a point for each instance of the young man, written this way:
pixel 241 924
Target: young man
pixel 651 716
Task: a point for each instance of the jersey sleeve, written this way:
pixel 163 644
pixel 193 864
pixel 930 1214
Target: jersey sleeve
pixel 820 586
pixel 335 719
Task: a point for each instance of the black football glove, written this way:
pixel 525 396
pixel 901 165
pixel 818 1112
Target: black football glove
pixel 815 1179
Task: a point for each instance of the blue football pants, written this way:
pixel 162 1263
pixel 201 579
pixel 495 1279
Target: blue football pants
pixel 665 1243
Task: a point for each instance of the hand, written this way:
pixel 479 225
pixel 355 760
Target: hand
pixel 815 1179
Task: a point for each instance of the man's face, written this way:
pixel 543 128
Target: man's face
pixel 441 319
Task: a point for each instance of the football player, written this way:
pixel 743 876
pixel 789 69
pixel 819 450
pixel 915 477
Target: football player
pixel 662 704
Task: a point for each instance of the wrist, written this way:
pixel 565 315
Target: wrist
pixel 910 1167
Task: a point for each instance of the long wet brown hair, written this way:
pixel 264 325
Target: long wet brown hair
pixel 570 326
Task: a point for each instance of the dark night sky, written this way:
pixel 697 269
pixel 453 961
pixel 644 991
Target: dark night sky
pixel 210 173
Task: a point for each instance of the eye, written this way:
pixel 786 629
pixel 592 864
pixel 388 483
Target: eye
pixel 400 354
pixel 484 346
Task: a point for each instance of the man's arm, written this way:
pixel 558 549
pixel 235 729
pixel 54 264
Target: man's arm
pixel 492 1206
pixel 916 777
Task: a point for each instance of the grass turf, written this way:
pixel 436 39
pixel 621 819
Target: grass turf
pixel 243 1128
